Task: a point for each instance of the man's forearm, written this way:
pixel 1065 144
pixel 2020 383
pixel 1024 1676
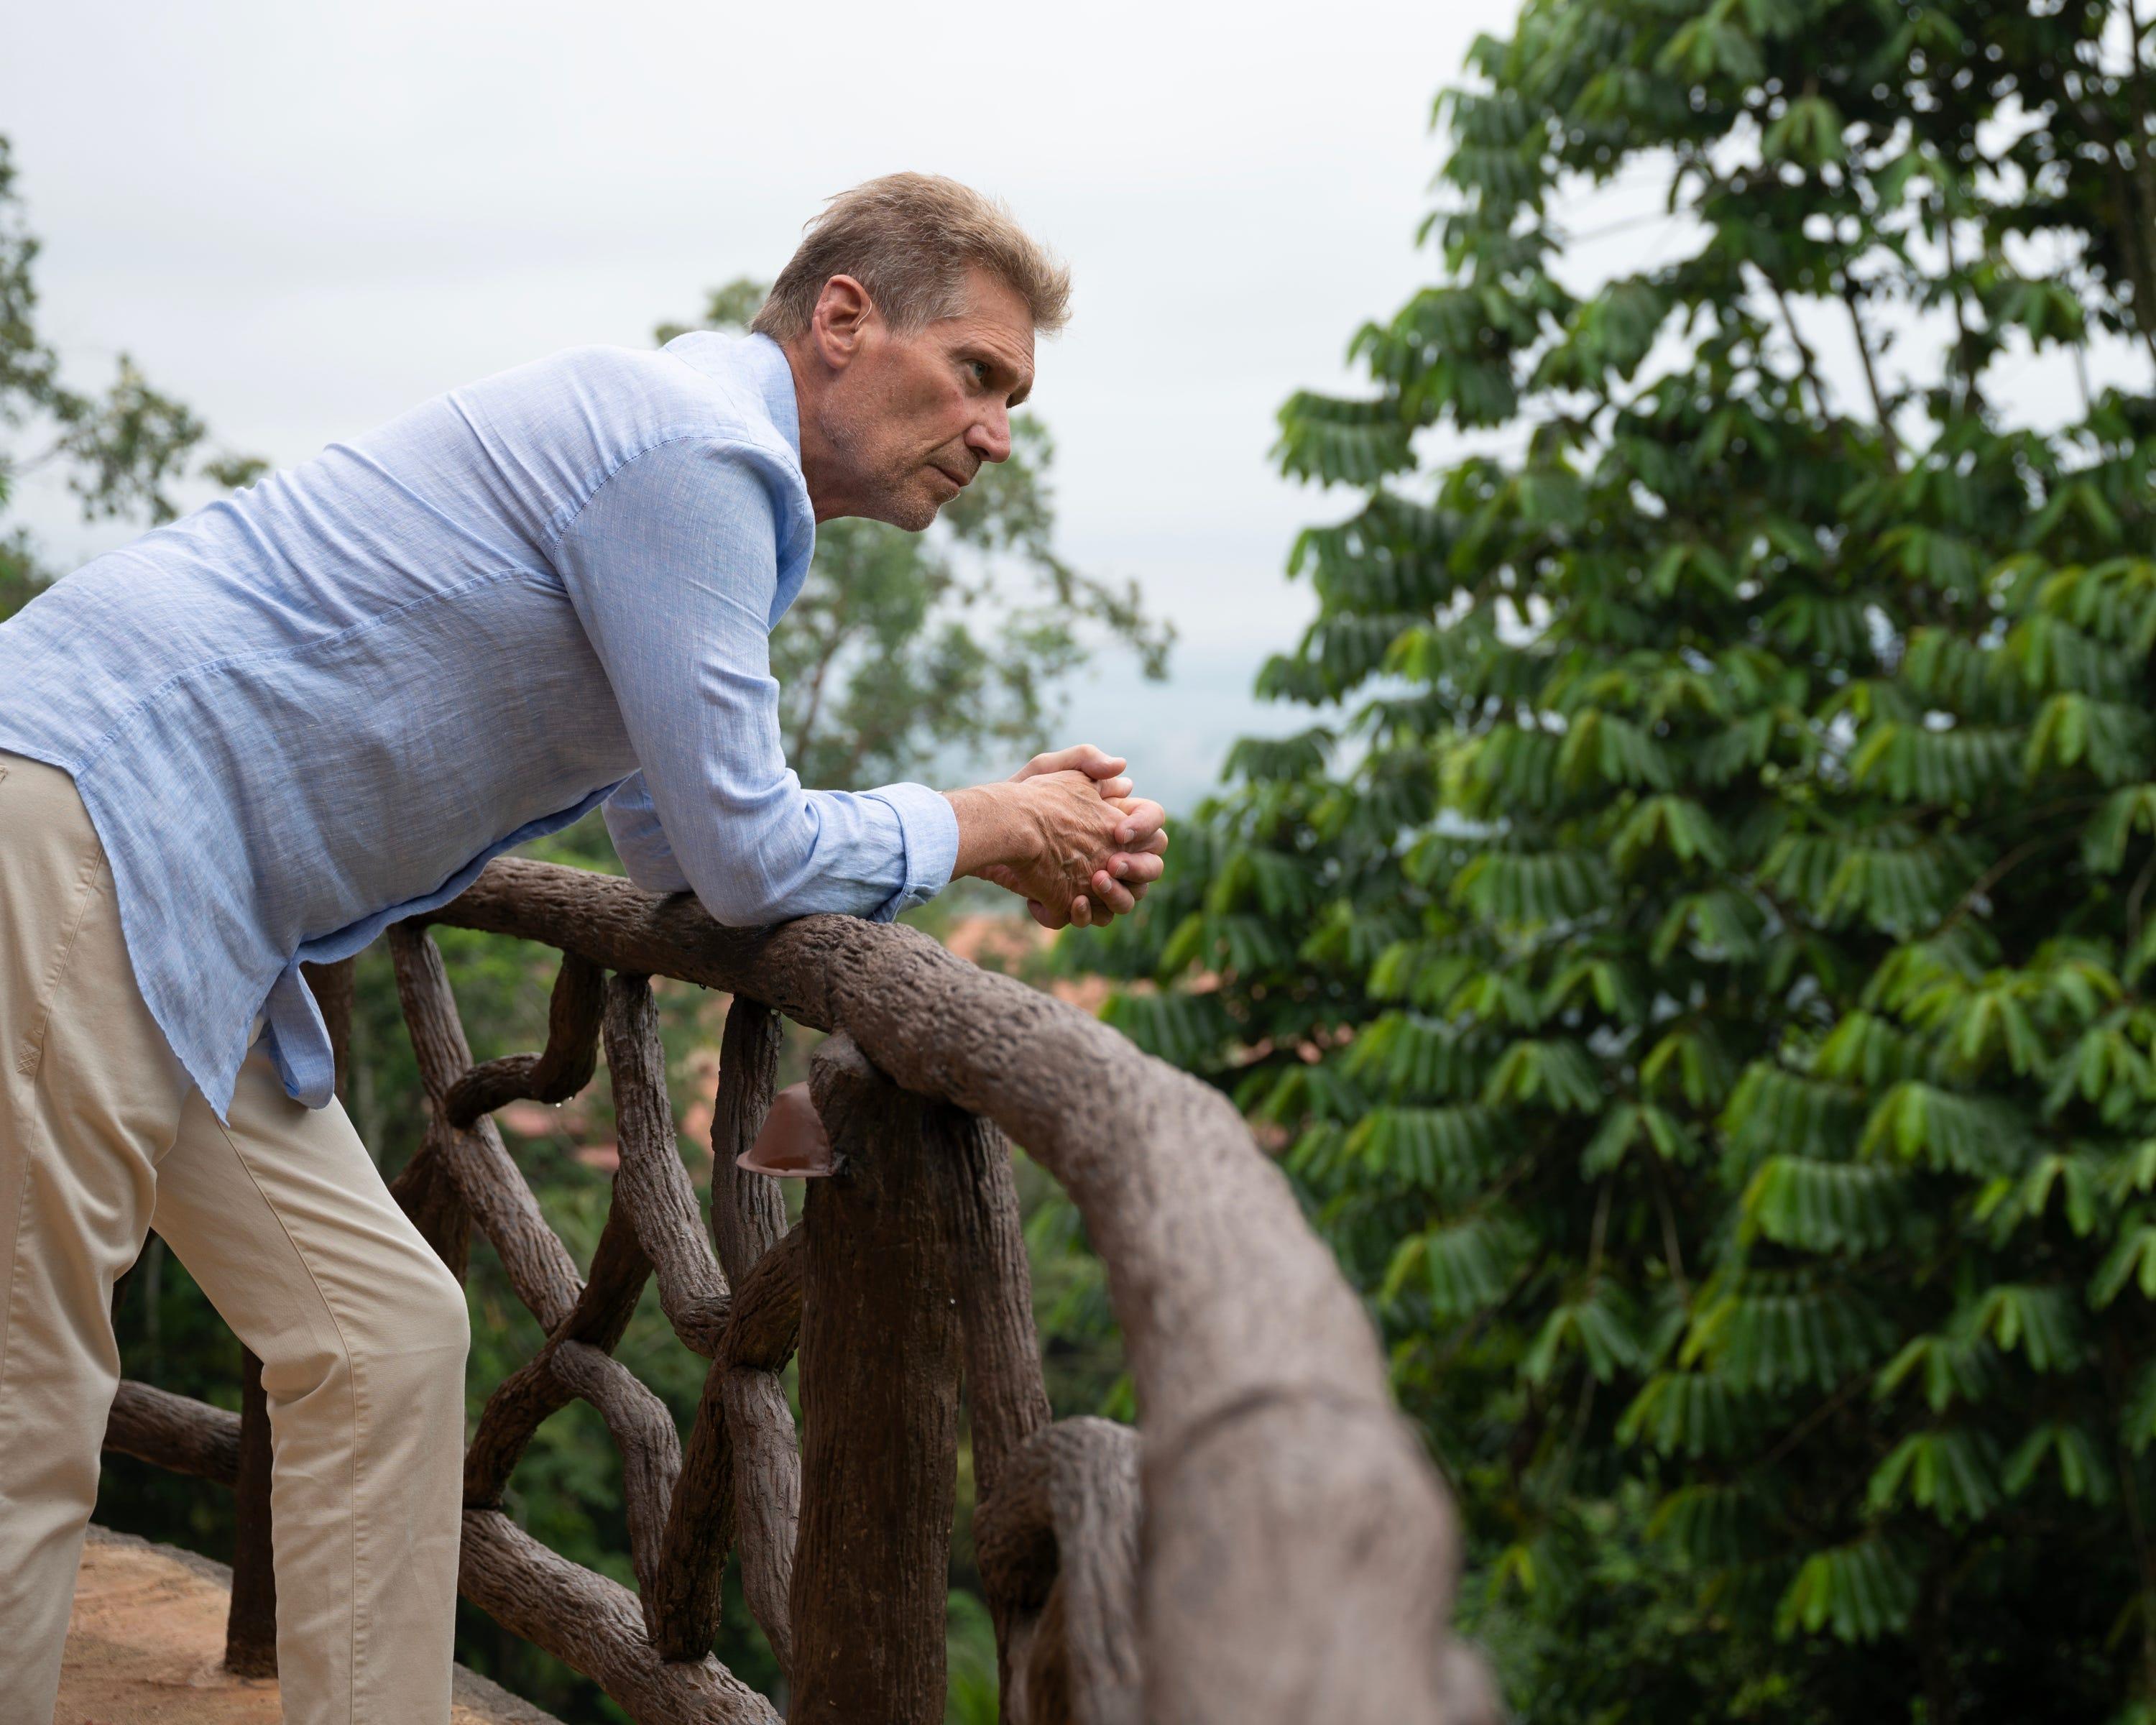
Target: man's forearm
pixel 994 827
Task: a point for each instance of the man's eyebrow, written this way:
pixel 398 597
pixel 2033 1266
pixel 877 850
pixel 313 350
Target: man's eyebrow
pixel 1001 367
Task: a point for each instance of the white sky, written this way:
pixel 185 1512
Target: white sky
pixel 303 220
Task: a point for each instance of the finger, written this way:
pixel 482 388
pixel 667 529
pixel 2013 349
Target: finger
pixel 1041 914
pixel 1143 819
pixel 1154 846
pixel 1111 893
pixel 1085 758
pixel 1139 869
pixel 1111 788
pixel 1081 911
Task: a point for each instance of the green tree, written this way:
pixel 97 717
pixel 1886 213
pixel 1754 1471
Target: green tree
pixel 1698 968
pixel 905 649
pixel 123 452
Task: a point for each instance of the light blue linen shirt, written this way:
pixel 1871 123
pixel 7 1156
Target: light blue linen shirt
pixel 323 704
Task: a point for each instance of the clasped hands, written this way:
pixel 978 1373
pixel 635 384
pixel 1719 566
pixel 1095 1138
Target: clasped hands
pixel 1064 833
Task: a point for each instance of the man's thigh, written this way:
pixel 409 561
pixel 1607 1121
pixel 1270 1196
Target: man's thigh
pixel 90 1093
pixel 283 1219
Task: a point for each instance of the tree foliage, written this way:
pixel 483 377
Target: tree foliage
pixel 905 649
pixel 1695 965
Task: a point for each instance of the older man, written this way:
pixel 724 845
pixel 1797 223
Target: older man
pixel 261 734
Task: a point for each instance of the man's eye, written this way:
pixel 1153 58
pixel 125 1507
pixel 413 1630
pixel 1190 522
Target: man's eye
pixel 980 370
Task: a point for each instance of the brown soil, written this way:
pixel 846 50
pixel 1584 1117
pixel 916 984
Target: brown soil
pixel 147 1635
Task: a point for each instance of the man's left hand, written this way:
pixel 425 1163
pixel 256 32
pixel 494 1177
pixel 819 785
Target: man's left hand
pixel 1122 880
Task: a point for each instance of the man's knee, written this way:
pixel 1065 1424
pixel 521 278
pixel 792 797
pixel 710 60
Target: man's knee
pixel 440 1320
pixel 416 1324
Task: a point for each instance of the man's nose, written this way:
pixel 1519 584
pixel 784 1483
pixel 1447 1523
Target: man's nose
pixel 990 438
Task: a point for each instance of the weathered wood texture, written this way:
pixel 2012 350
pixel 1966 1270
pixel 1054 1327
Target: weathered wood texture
pixel 991 1284
pixel 879 1406
pixel 250 1621
pixel 556 1073
pixel 679 1516
pixel 333 986
pixel 651 1179
pixel 747 1213
pixel 1300 1552
pixel 740 1476
pixel 748 1222
pixel 174 1432
pixel 539 1268
pixel 1058 1545
pixel 1294 1556
pixel 596 1626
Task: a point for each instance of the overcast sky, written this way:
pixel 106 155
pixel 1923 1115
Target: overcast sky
pixel 304 218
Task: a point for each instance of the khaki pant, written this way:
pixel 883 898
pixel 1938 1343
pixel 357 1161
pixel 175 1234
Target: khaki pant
pixel 284 1222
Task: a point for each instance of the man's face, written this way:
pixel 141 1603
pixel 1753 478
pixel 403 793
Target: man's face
pixel 910 419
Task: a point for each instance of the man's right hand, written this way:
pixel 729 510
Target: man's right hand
pixel 1063 837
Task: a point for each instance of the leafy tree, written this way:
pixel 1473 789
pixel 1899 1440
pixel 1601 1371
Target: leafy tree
pixel 123 452
pixel 1698 968
pixel 904 649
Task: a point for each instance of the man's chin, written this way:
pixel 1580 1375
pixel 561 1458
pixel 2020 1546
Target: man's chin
pixel 911 509
pixel 914 514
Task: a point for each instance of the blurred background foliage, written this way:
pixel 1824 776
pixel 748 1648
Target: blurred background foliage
pixel 1693 965
pixel 1690 964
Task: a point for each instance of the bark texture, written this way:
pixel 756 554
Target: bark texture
pixel 174 1432
pixel 748 1222
pixel 250 1622
pixel 556 1073
pixel 880 1402
pixel 1058 1544
pixel 1273 1455
pixel 596 1626
pixel 1294 1556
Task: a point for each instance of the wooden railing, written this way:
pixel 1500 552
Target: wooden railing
pixel 1271 1545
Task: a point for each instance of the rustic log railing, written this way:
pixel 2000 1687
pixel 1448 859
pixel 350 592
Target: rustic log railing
pixel 1272 1545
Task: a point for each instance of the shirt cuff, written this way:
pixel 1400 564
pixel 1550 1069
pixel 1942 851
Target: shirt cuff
pixel 930 828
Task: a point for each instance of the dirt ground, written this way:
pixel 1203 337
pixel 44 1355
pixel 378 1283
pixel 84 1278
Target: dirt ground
pixel 147 1633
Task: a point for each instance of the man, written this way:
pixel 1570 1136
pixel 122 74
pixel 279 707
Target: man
pixel 258 736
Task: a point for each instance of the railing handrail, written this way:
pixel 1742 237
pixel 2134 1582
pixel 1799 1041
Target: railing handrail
pixel 1251 1358
pixel 1298 1553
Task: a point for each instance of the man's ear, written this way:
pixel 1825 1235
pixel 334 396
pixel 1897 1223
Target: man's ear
pixel 842 322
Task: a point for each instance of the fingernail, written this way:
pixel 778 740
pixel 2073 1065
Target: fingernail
pixel 1124 832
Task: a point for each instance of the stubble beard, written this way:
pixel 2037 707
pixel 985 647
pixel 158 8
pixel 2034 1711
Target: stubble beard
pixel 891 486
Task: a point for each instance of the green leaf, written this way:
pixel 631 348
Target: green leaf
pixel 1862 1590
pixel 1950 1473
pixel 1823 1206
pixel 2083 1473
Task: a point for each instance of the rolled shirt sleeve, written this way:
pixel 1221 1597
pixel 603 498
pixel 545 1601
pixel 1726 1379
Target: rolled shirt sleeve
pixel 674 569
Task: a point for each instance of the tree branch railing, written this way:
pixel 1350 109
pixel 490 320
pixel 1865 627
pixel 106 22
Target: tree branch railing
pixel 1271 1545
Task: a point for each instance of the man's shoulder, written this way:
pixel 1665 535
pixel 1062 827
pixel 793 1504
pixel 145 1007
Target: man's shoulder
pixel 628 400
pixel 561 427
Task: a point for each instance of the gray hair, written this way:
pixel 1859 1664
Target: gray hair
pixel 910 239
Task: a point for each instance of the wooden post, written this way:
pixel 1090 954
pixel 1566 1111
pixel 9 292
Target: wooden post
pixel 880 1401
pixel 333 986
pixel 250 1626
